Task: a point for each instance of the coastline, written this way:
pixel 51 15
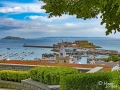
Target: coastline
pixel 16 46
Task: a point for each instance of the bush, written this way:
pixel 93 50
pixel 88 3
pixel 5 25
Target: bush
pixel 51 75
pixel 116 74
pixel 91 81
pixel 107 59
pixel 11 75
pixel 113 58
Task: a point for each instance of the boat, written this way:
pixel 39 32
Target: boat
pixel 8 48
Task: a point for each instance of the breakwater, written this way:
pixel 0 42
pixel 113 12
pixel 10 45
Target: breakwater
pixel 25 45
pixel 38 46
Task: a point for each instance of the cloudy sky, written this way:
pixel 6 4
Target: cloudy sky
pixel 24 18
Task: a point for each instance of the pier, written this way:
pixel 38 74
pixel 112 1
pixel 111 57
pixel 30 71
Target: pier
pixel 38 46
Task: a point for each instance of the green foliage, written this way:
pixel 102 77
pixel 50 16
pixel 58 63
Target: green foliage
pixel 110 10
pixel 87 9
pixel 11 75
pixel 107 59
pixel 113 58
pixel 91 81
pixel 116 75
pixel 51 75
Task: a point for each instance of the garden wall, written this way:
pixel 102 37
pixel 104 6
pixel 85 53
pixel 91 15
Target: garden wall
pixel 29 84
pixel 4 66
pixel 22 67
pixel 10 85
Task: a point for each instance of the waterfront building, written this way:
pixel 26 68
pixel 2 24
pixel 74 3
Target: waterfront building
pixel 62 58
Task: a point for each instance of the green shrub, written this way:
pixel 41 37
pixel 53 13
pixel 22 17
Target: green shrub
pixel 113 58
pixel 51 75
pixel 116 74
pixel 11 75
pixel 107 59
pixel 91 81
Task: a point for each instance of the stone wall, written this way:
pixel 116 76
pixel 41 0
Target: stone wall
pixel 83 70
pixel 4 66
pixel 22 67
pixel 29 84
pixel 10 85
pixel 96 69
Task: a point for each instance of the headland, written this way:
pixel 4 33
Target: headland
pixel 12 38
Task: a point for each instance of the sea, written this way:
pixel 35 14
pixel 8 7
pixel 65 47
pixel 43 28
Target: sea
pixel 14 50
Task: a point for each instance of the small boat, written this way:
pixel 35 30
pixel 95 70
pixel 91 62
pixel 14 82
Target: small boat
pixel 8 48
pixel 32 52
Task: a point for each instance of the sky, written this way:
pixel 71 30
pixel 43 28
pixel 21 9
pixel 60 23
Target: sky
pixel 26 19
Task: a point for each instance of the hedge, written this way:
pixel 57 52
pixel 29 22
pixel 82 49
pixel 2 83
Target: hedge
pixel 12 75
pixel 51 75
pixel 91 81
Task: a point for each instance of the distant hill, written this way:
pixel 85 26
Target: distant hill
pixel 13 38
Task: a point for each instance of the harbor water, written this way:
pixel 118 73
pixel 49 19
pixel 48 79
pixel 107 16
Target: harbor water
pixel 14 50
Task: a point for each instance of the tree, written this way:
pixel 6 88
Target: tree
pixel 109 11
pixel 113 58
